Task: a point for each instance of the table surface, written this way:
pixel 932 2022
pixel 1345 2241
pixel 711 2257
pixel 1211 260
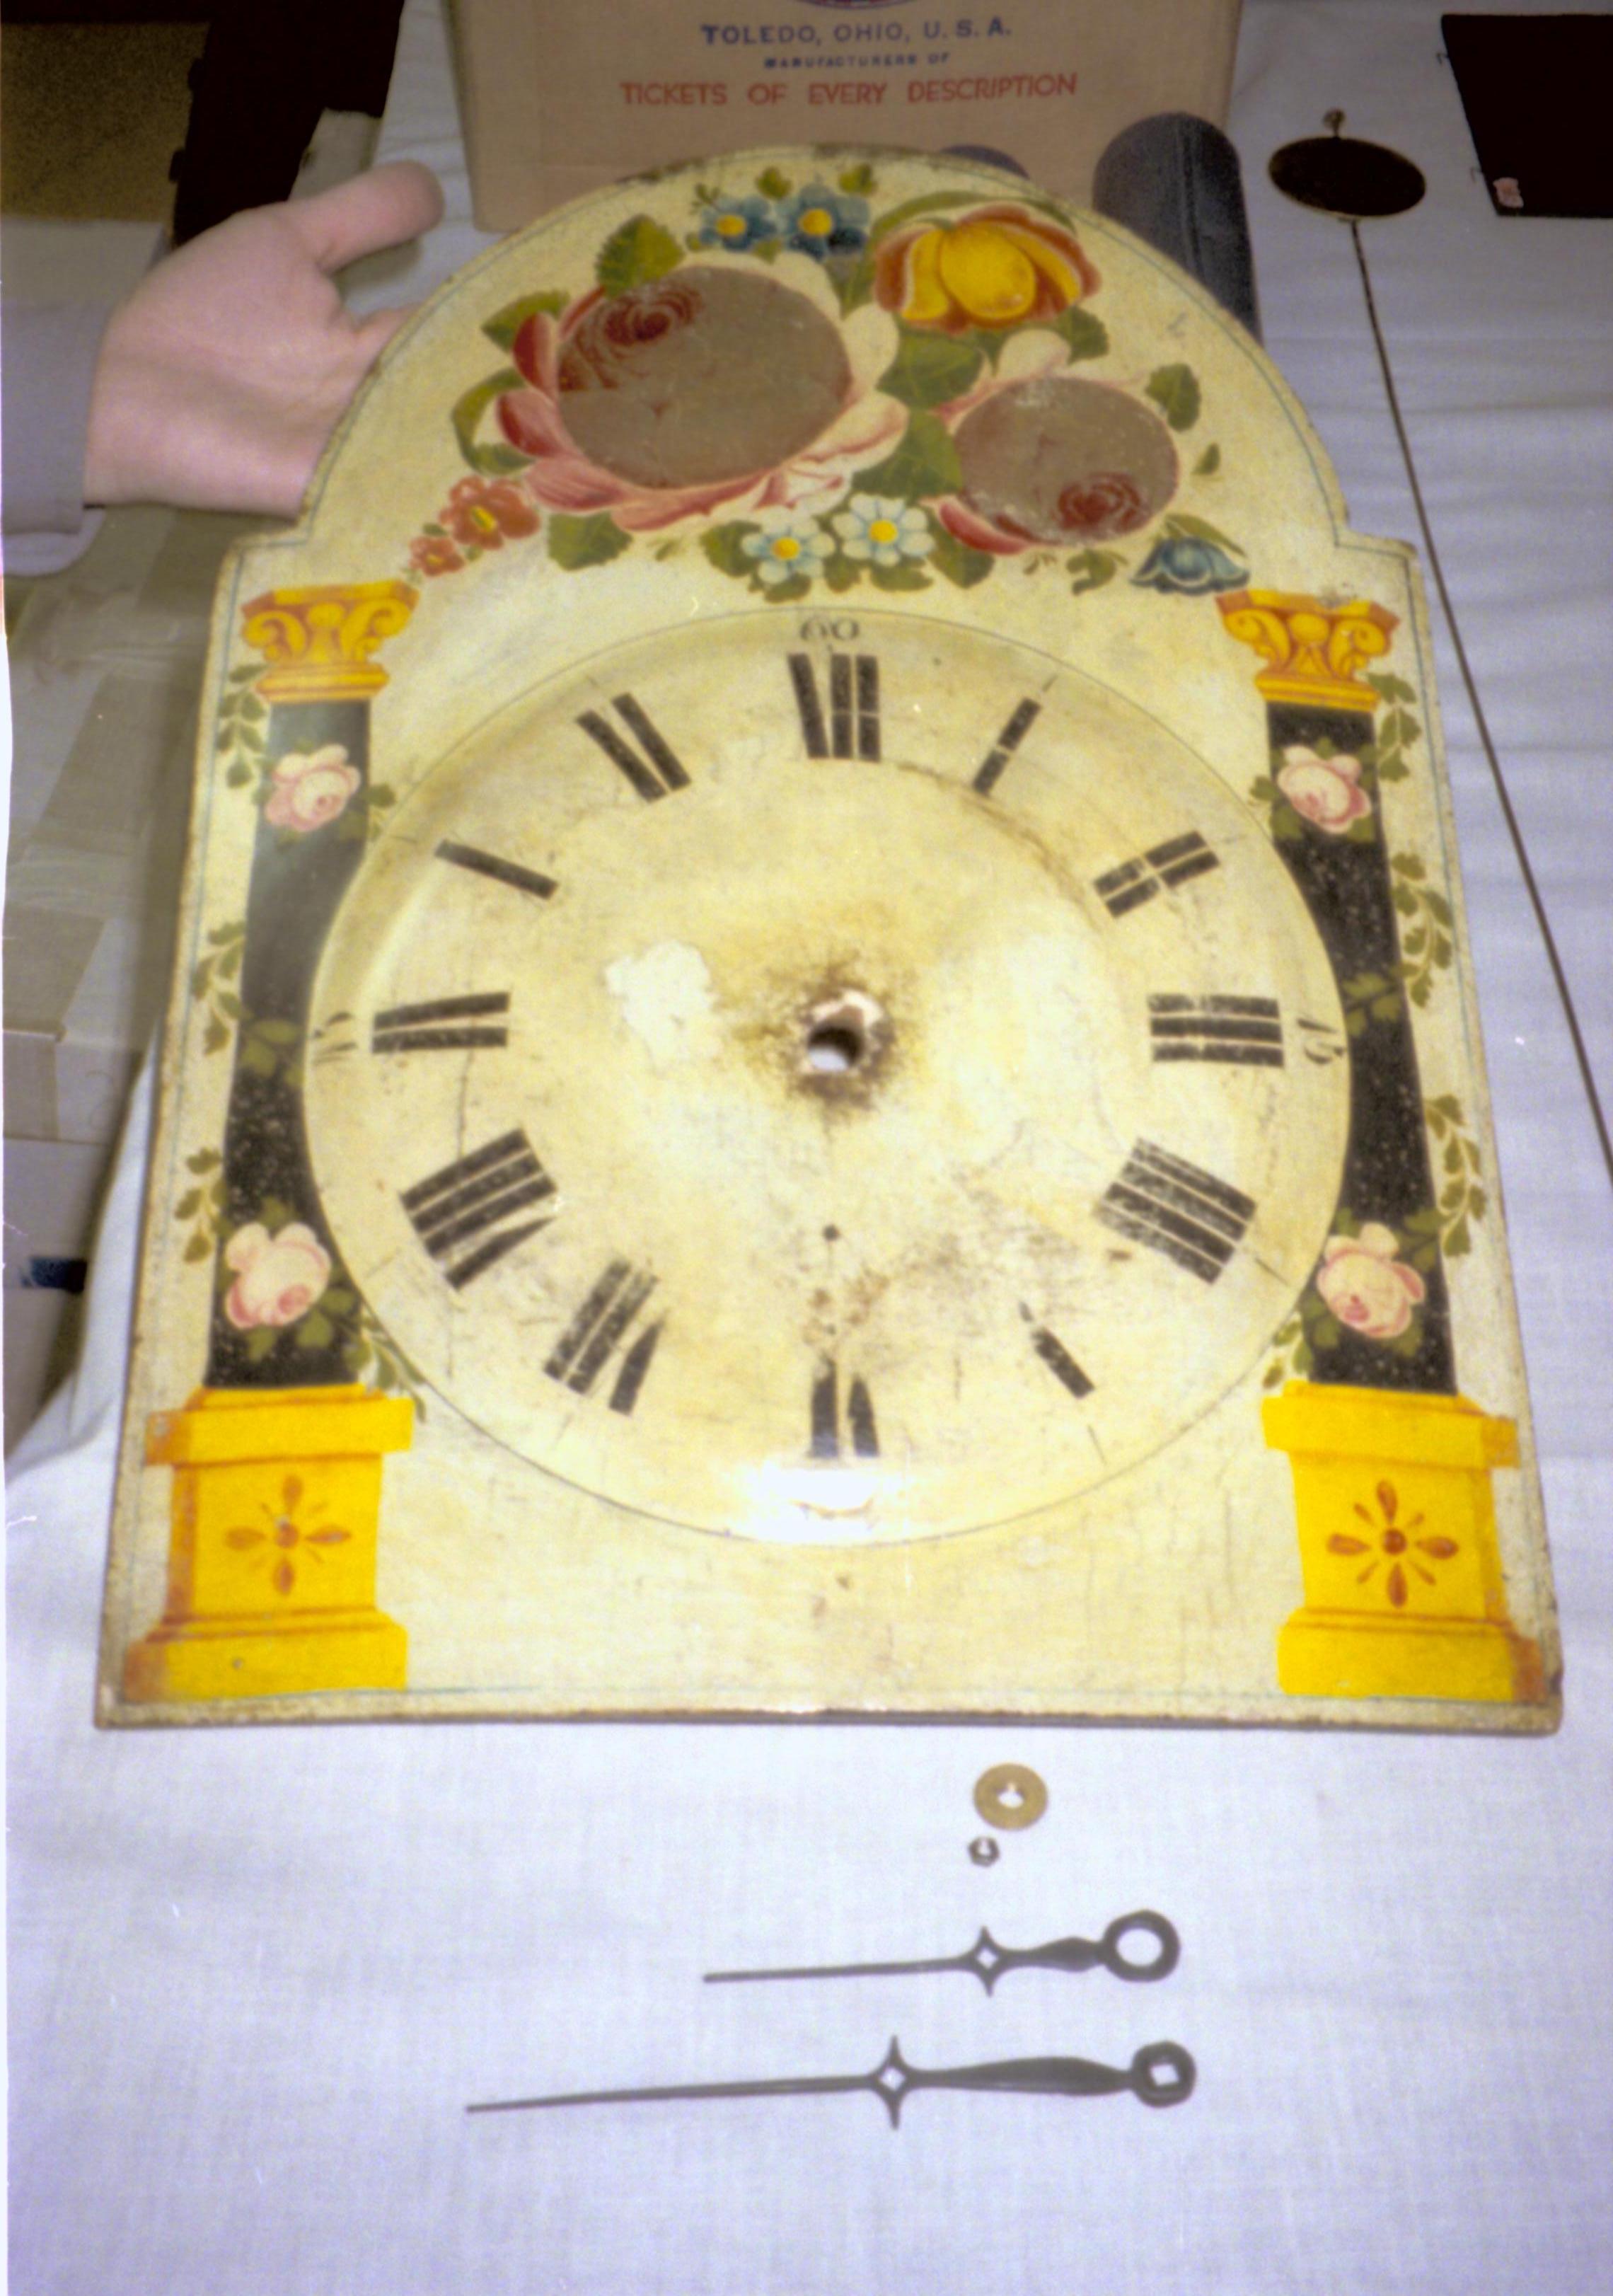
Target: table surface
pixel 257 1973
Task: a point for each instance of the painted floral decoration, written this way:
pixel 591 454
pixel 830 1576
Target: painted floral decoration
pixel 548 352
pixel 787 546
pixel 1390 1538
pixel 483 512
pixel 307 791
pixel 1326 791
pixel 278 1278
pixel 883 530
pixel 737 225
pixel 819 222
pixel 1190 565
pixel 1367 1286
pixel 1000 267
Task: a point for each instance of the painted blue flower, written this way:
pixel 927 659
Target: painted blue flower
pixel 1193 568
pixel 787 546
pixel 819 222
pixel 737 225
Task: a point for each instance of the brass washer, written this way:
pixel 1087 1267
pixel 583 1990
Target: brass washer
pixel 992 1787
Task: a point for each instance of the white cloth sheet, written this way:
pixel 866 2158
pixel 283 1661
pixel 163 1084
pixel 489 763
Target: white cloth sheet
pixel 258 1972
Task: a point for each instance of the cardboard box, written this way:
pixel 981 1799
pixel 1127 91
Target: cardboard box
pixel 559 99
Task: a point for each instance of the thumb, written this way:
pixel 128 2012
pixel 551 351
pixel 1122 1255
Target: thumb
pixel 373 212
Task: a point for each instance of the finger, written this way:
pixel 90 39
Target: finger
pixel 381 209
pixel 371 334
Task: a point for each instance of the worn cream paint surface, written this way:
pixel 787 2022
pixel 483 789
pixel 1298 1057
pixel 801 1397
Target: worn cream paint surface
pixel 1012 1546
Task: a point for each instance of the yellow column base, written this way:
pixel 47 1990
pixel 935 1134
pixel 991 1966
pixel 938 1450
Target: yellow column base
pixel 1404 1597
pixel 276 1513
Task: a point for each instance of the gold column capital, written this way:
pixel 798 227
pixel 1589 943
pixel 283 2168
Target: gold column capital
pixel 1312 647
pixel 319 641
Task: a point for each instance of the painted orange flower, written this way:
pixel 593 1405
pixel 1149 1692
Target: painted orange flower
pixel 482 512
pixel 999 268
pixel 286 1535
pixel 1392 1540
pixel 434 554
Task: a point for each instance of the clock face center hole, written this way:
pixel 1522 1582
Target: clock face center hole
pixel 844 1036
pixel 833 1048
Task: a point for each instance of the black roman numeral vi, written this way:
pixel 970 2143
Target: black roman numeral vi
pixel 471 1198
pixel 852 729
pixel 596 1331
pixel 827 1434
pixel 657 773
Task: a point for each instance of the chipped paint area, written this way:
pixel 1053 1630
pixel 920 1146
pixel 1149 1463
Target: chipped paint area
pixel 665 996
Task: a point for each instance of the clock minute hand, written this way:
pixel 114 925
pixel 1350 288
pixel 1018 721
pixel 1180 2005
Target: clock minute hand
pixel 987 1960
pixel 1163 2073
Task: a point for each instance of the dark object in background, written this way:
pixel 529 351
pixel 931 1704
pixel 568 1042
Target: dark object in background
pixel 1536 90
pixel 1342 175
pixel 269 69
pixel 1174 180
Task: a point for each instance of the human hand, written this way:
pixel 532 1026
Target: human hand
pixel 223 375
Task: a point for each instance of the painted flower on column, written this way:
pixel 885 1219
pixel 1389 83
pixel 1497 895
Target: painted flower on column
pixel 278 1278
pixel 307 791
pixel 1366 1284
pixel 1326 791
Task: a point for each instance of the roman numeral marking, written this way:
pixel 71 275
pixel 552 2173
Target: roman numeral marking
pixel 595 1331
pixel 662 775
pixel 1175 1209
pixel 409 1028
pixel 1007 741
pixel 1058 1358
pixel 1247 1030
pixel 826 1429
pixel 1139 879
pixel 853 726
pixel 490 864
pixel 470 1197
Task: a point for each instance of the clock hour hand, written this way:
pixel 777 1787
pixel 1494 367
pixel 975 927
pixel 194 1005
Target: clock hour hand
pixel 987 1960
pixel 1163 2073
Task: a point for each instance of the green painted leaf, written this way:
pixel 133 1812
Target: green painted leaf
pixel 316 1330
pixel 197 1249
pixel 1325 1332
pixel 230 1004
pixel 204 1161
pixel 577 542
pixel 1174 392
pixel 245 670
pixel 1305 1361
pixel 1391 688
pixel 260 1342
pixel 335 1301
pixel 928 370
pixel 842 573
pixel 277 1032
pixel 903 576
pixel 1092 569
pixel 506 323
pixel 724 547
pixel 924 463
pixel 930 203
pixel 189 1204
pixel 1085 335
pixel 785 594
pixel 1410 865
pixel 858 181
pixel 257 1058
pixel 955 561
pixel 1439 907
pixel 1208 463
pixel 1478 1204
pixel 773 186
pixel 1202 531
pixel 493 460
pixel 214 1035
pixel 1459 1241
pixel 639 250
pixel 253 711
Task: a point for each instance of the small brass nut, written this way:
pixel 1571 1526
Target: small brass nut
pixel 984 1850
pixel 1010 1796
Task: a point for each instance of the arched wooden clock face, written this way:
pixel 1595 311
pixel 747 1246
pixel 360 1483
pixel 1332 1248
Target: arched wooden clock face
pixel 830 1080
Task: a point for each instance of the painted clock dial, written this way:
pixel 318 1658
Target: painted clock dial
pixel 855 1078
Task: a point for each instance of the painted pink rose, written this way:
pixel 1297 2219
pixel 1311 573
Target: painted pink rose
pixel 1326 791
pixel 1368 1287
pixel 277 1277
pixel 586 364
pixel 310 791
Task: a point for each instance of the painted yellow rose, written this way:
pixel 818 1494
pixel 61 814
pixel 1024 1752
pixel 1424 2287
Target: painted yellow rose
pixel 998 268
